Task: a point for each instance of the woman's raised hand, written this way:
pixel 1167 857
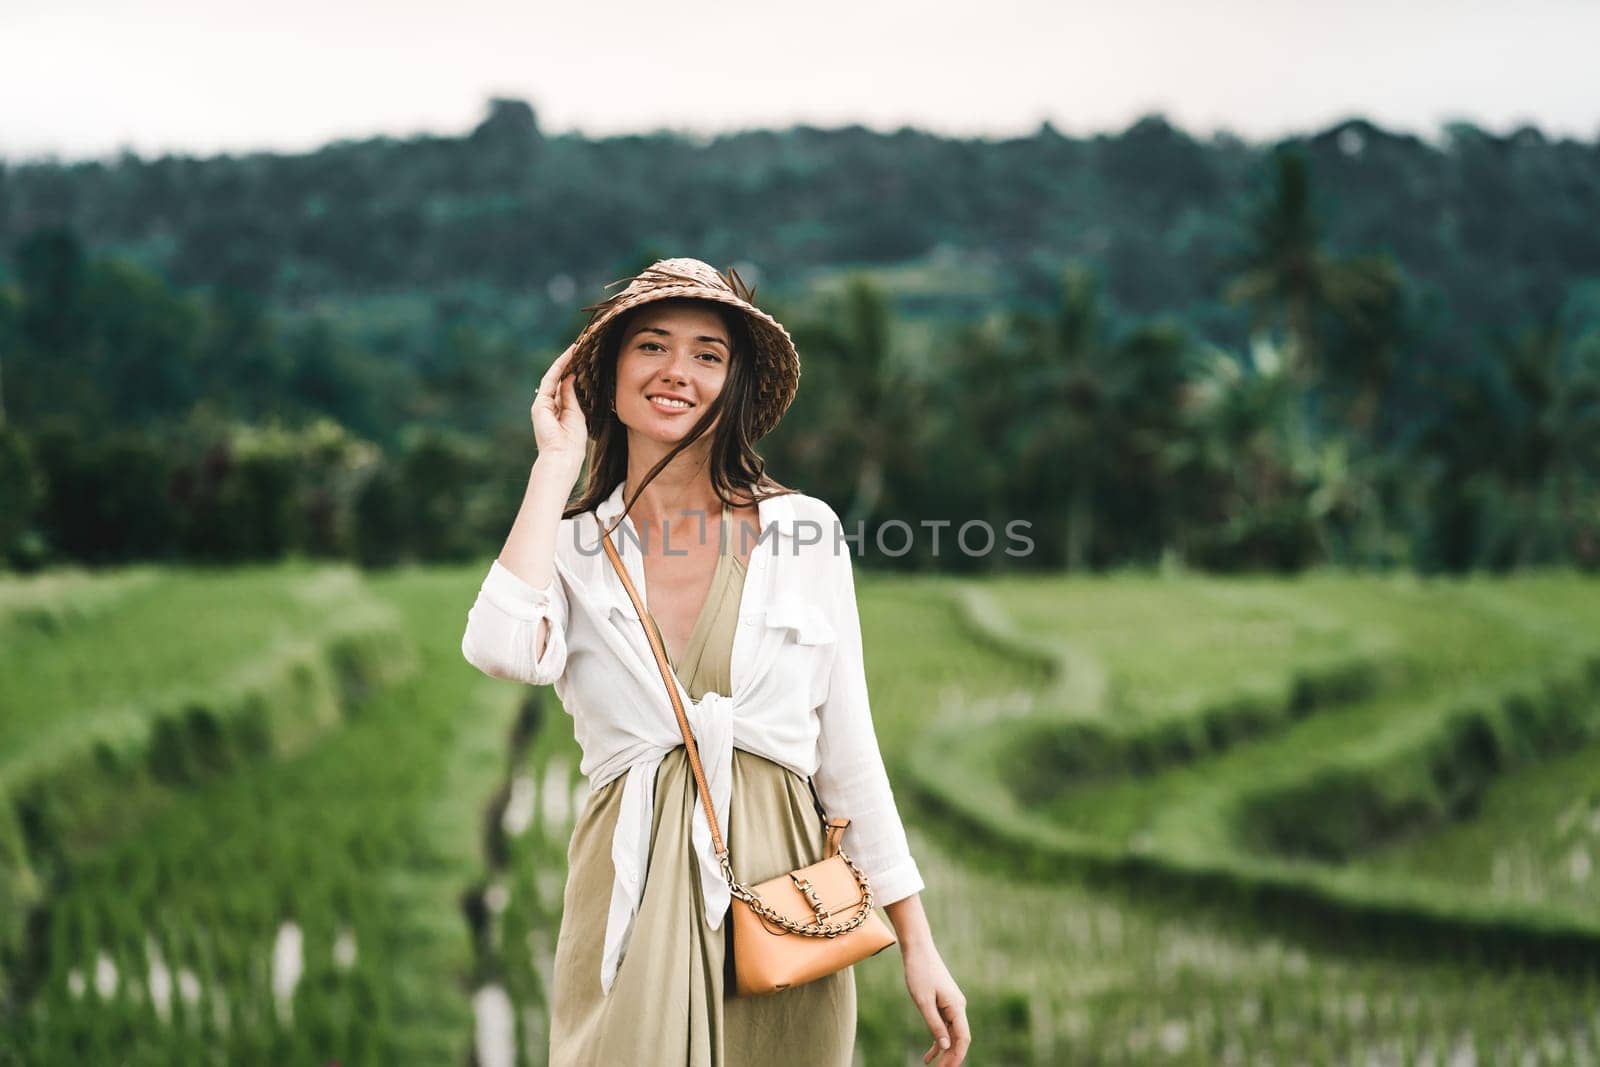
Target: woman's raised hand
pixel 559 428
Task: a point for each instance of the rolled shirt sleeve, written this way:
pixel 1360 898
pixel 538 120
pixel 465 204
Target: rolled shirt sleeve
pixel 850 778
pixel 503 625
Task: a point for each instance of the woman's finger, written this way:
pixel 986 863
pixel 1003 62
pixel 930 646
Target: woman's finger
pixel 553 373
pixel 936 1027
pixel 566 357
pixel 961 1033
pixel 570 409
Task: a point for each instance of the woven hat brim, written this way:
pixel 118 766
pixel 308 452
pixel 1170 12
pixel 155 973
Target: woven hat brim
pixel 777 360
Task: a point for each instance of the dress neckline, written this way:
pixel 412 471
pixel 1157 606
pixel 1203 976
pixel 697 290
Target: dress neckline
pixel 725 560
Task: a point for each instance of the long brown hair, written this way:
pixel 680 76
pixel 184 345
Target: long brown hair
pixel 735 467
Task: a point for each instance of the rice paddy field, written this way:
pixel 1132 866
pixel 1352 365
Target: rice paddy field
pixel 270 815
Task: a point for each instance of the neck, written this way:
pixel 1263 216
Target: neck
pixel 680 496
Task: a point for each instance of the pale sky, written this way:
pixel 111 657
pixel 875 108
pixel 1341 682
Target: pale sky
pixel 82 78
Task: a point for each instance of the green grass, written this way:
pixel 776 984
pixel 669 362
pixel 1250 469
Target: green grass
pixel 1058 972
pixel 66 595
pixel 1496 675
pixel 1124 919
pixel 116 696
pixel 365 841
pixel 1168 647
pixel 99 665
pixel 1460 647
pixel 1534 836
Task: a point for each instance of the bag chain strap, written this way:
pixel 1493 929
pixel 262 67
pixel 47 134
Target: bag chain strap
pixel 743 892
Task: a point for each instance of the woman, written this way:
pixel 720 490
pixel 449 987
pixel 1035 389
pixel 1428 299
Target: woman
pixel 675 378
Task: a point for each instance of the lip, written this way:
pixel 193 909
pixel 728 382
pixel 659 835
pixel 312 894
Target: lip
pixel 667 409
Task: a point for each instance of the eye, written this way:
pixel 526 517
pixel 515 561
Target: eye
pixel 711 355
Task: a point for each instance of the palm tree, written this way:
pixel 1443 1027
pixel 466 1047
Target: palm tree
pixel 1068 404
pixel 1283 274
pixel 1553 400
pixel 1229 467
pixel 1285 277
pixel 1367 295
pixel 1065 445
pixel 1370 333
pixel 867 337
pixel 875 399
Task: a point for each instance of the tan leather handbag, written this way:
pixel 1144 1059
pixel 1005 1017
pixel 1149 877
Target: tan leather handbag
pixel 798 926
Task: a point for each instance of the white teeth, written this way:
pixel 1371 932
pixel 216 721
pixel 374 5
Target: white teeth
pixel 671 403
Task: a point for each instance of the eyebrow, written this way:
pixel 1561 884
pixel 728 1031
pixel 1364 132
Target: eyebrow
pixel 668 333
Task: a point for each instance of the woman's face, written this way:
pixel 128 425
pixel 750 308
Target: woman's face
pixel 670 353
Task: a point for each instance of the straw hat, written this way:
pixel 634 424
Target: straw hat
pixel 777 364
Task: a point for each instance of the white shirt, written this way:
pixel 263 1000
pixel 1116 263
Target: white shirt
pixel 798 683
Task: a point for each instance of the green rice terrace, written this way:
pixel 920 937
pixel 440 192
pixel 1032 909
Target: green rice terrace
pixel 270 815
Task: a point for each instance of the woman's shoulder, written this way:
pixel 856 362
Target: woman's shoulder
pixel 818 534
pixel 806 507
pixel 804 518
pixel 802 507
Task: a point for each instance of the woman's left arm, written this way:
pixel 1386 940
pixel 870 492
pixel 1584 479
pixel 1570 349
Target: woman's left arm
pixel 933 990
pixel 851 781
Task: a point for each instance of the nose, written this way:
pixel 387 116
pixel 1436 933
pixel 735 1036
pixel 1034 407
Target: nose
pixel 674 370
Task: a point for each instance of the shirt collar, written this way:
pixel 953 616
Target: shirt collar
pixel 775 514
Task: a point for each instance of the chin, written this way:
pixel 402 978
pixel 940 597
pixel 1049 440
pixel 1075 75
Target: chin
pixel 665 431
pixel 664 437
pixel 668 431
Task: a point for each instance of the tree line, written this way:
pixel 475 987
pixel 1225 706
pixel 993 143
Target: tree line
pixel 504 226
pixel 148 419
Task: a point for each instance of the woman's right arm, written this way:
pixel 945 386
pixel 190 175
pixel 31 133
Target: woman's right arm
pixel 516 629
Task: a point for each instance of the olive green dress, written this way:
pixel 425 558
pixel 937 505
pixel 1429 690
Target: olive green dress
pixel 671 1002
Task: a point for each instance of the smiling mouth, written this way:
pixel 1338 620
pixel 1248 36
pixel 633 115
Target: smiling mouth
pixel 661 403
